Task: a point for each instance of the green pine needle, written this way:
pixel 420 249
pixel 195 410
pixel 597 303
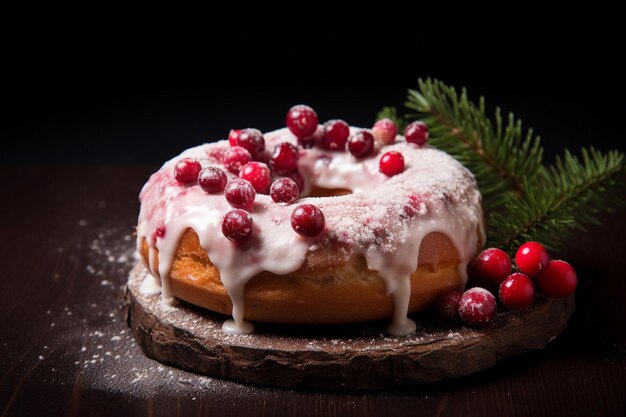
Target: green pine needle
pixel 566 196
pixel 523 199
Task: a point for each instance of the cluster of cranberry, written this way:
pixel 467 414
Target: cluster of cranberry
pixel 247 152
pixel 302 121
pixel 492 268
pixel 254 177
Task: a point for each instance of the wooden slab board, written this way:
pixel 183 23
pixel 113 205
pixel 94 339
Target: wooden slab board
pixel 358 356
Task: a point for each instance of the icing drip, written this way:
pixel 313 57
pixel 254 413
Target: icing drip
pixel 385 219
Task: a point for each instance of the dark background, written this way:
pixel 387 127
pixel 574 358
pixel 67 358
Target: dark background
pixel 136 90
pixel 120 92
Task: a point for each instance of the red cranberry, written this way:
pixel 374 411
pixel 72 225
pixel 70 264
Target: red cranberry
pixel 252 140
pixel 531 258
pixel 558 279
pixel 477 307
pixel 301 120
pixel 258 174
pixel 384 131
pixel 517 291
pixel 284 190
pixel 297 177
pixel 159 232
pixel 284 159
pixel 186 170
pixel 391 163
pixel 447 306
pixel 233 136
pixel 335 135
pixel 417 133
pixel 235 158
pixel 307 220
pixel 493 264
pixel 239 193
pixel 361 143
pixel 212 179
pixel 237 225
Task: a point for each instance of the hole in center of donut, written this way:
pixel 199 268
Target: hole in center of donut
pixel 328 192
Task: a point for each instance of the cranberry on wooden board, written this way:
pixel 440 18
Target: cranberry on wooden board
pixel 239 193
pixel 186 170
pixel 517 291
pixel 559 279
pixel 301 120
pixel 531 258
pixel 477 307
pixel 237 225
pixel 447 306
pixel 307 220
pixel 493 264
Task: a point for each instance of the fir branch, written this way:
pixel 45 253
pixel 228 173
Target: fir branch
pixel 566 196
pixel 523 199
pixel 501 155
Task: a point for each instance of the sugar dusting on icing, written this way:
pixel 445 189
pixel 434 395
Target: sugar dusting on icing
pixel 385 219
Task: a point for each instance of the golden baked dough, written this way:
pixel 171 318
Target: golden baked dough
pixel 326 289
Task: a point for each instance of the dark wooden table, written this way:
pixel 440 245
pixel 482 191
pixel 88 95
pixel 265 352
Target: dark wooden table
pixel 66 248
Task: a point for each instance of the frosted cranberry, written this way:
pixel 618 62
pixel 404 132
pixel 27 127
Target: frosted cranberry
pixel 284 159
pixel 233 135
pixel 297 177
pixel 335 135
pixel 517 291
pixel 284 190
pixel 235 158
pixel 384 131
pixel 493 264
pixel 237 225
pixel 391 163
pixel 361 143
pixel 531 258
pixel 251 140
pixel 301 120
pixel 212 179
pixel 558 279
pixel 447 306
pixel 307 220
pixel 477 307
pixel 258 174
pixel 417 133
pixel 186 170
pixel 239 193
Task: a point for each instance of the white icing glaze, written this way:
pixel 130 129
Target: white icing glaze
pixel 149 285
pixel 373 221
